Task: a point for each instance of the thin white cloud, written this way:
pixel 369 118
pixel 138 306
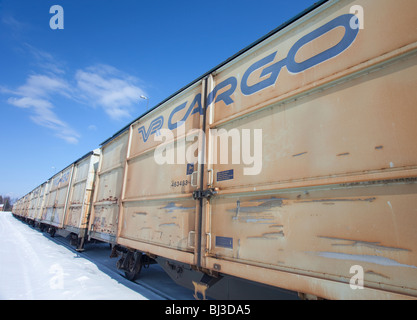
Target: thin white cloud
pixel 45 60
pixel 40 85
pixel 15 26
pixel 109 88
pixel 36 95
pixel 100 85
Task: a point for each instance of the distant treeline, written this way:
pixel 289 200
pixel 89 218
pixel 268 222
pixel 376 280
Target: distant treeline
pixel 8 203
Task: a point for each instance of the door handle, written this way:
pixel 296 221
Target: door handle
pixel 194 179
pixel 210 177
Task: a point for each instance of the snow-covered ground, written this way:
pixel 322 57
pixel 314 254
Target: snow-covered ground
pixel 35 266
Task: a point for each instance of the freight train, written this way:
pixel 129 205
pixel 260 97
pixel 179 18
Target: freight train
pixel 290 167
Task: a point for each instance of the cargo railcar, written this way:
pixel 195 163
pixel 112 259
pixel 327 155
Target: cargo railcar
pixel 288 170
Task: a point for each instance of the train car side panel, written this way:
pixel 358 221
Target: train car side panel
pixel 159 212
pixel 335 187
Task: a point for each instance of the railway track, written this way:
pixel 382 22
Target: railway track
pixel 153 283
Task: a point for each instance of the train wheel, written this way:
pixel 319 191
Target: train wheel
pixel 134 266
pixel 73 239
pixel 52 231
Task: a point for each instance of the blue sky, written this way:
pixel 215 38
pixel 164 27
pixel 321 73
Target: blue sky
pixel 63 92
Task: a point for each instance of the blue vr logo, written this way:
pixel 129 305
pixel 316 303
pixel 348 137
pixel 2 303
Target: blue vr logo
pixel 156 125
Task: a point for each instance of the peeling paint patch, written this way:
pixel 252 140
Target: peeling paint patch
pixel 300 154
pixel 265 205
pixel 277 226
pixel 253 218
pixel 340 200
pixel 269 235
pixel 355 243
pixel 268 200
pixel 258 220
pixel 259 213
pixel 373 273
pixel 363 258
pixel 168 225
pixel 172 206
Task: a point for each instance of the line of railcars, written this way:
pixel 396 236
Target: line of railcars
pixel 328 206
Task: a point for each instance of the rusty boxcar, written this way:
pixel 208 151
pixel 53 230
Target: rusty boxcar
pixel 67 198
pixel 53 213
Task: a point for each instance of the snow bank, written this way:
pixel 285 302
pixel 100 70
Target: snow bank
pixel 32 266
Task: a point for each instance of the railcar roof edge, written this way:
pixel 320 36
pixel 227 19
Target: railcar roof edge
pixel 271 33
pixel 74 162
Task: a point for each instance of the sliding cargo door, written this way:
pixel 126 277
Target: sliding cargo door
pixel 57 198
pixel 108 189
pixel 158 213
pixel 49 198
pixel 41 202
pixel 62 197
pixel 26 206
pixel 81 189
pixel 32 203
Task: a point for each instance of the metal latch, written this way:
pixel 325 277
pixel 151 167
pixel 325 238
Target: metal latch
pixel 199 194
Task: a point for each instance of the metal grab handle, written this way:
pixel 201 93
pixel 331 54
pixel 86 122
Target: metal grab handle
pixel 208 244
pixel 191 241
pixel 194 179
pixel 210 177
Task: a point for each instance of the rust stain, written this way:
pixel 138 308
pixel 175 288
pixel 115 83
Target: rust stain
pixel 109 199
